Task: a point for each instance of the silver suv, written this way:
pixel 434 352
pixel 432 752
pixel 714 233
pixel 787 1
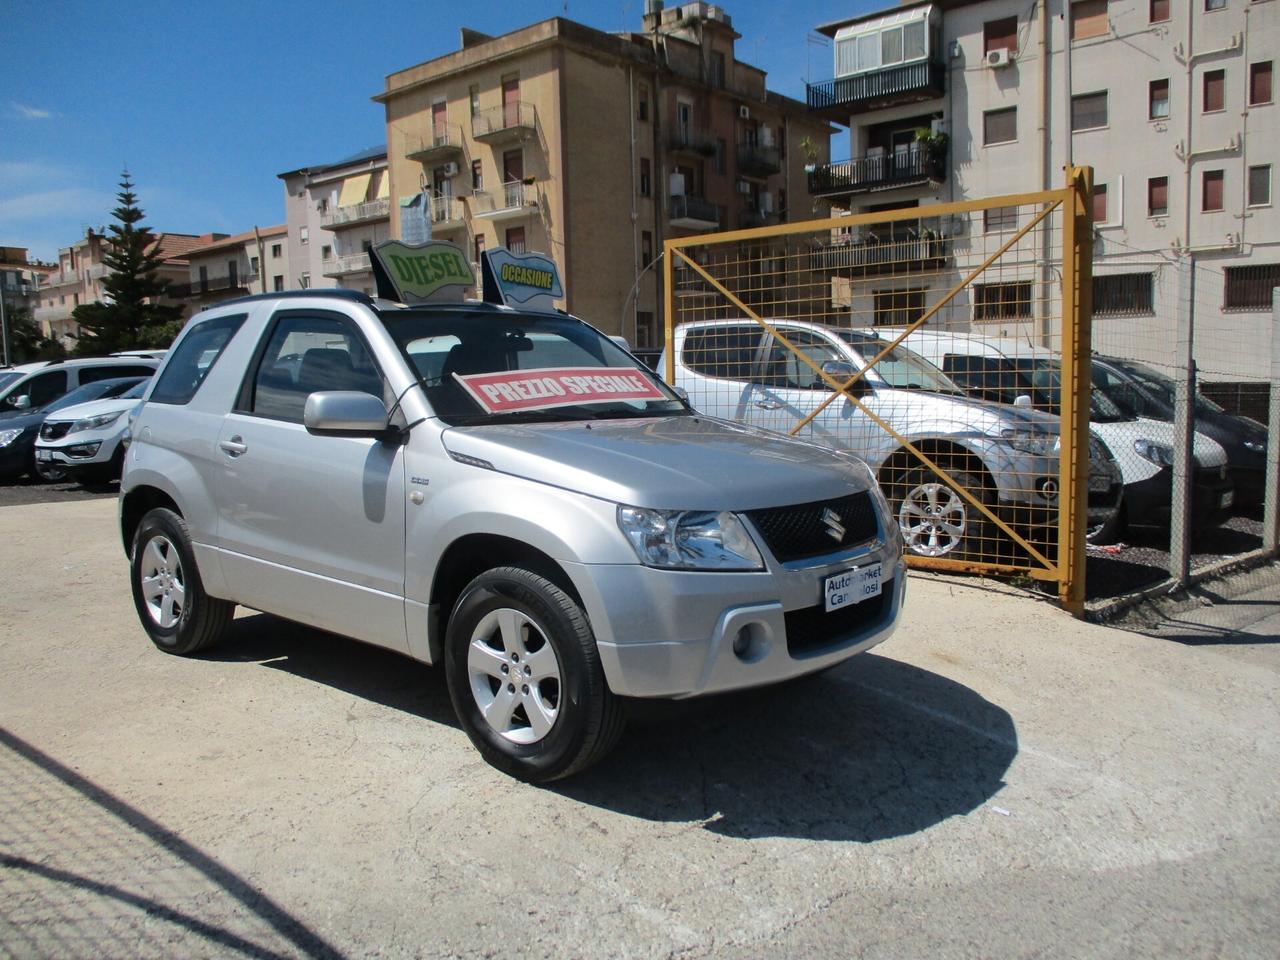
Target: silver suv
pixel 505 491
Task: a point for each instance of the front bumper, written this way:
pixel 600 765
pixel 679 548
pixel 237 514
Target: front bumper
pixel 670 633
pixel 1149 502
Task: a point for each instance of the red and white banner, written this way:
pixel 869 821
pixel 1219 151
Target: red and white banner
pixel 509 390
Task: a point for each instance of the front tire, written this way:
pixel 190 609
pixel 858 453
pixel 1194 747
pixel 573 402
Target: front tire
pixel 174 609
pixel 48 471
pixel 936 520
pixel 525 677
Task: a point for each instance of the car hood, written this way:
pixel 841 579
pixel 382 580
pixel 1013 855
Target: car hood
pixel 94 408
pixel 21 420
pixel 678 463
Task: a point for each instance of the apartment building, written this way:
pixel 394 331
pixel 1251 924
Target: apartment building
pixel 334 213
pixel 1171 103
pixel 20 278
pixel 80 270
pixel 594 148
pixel 232 266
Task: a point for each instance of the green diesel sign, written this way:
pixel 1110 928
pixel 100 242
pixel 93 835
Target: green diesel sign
pixel 426 271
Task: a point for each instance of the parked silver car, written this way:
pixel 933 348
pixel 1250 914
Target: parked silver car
pixel 504 491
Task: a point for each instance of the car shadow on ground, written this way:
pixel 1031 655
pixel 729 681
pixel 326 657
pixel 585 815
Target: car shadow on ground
pixel 870 750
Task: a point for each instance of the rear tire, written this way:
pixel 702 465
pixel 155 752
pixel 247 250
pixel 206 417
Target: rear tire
pixel 525 677
pixel 174 609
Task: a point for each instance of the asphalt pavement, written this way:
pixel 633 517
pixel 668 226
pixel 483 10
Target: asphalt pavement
pixel 997 780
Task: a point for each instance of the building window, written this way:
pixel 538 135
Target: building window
pixel 478 246
pixel 1260 185
pixel 642 103
pixel 1215 88
pixel 646 329
pixel 515 239
pixel 1002 301
pixel 1159 11
pixel 275 251
pixel 999 126
pixel 1259 83
pixel 1249 288
pixel 646 248
pixel 1089 111
pixel 1123 295
pixel 477 175
pixel 326 253
pixel 1000 34
pixel 304 235
pixel 717 69
pixel 999 219
pixel 1157 196
pixel 722 149
pixel 1215 4
pixel 1158 100
pixel 646 177
pixel 473 95
pixel 1089 19
pixel 897 308
pixel 305 279
pixel 782 203
pixel 277 282
pixel 253 265
pixel 1211 195
pixel 1099 203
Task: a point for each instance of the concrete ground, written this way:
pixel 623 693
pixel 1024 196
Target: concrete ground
pixel 997 780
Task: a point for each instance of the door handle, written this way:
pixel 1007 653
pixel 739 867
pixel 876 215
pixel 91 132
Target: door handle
pixel 233 447
pixel 768 404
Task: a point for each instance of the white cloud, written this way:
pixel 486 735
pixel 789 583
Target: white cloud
pixel 75 203
pixel 26 112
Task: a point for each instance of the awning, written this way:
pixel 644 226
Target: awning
pixel 383 190
pixel 354 190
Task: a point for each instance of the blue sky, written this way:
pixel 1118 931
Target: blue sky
pixel 207 102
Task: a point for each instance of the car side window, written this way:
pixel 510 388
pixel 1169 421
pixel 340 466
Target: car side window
pixel 44 388
pixel 112 371
pixel 784 368
pixel 726 353
pixel 305 354
pixel 193 358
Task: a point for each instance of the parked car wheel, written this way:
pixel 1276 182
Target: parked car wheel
pixel 936 520
pixel 1108 530
pixel 48 471
pixel 525 678
pixel 175 611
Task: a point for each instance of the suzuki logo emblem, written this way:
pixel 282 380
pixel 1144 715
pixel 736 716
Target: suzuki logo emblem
pixel 835 529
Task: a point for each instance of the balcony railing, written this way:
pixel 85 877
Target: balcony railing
pixel 751 217
pixel 340 266
pixel 755 160
pixel 691 140
pixel 507 122
pixel 59 311
pixel 886 172
pixel 447 212
pixel 356 213
pixel 440 143
pixel 513 199
pixel 694 213
pixel 872 255
pixel 905 83
pixel 199 287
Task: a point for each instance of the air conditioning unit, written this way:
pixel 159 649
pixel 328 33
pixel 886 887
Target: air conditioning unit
pixel 676 185
pixel 744 112
pixel 999 58
pixel 744 186
pixel 766 202
pixel 451 169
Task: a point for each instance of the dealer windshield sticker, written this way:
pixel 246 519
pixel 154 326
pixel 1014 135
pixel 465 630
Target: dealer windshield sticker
pixel 431 272
pixel 526 280
pixel 508 391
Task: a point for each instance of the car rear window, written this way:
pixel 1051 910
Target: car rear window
pixel 193 358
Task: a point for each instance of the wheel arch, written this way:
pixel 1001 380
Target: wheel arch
pixel 135 505
pixel 947 454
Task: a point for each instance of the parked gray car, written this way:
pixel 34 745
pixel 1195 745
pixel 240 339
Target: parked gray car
pixel 507 492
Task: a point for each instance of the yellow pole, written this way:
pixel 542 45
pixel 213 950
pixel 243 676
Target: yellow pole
pixel 669 313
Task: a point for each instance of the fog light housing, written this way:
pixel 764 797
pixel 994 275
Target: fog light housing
pixel 82 451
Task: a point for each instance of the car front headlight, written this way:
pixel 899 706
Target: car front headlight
pixel 1035 442
pixel 94 423
pixel 1158 453
pixel 689 539
pixel 8 436
pixel 1257 446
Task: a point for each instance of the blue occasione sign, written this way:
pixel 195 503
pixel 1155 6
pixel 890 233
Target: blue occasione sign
pixel 527 280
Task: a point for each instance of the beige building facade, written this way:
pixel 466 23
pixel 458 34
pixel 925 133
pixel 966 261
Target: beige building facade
pixel 593 148
pixel 232 266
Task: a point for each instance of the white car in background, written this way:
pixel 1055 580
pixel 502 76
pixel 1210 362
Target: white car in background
pixel 84 441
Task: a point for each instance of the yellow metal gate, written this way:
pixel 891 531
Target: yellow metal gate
pixel 946 345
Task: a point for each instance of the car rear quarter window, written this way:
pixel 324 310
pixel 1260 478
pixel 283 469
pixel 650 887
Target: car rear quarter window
pixel 193 358
pixel 726 353
pixel 42 388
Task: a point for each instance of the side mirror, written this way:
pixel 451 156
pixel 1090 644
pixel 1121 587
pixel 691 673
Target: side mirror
pixel 349 413
pixel 1022 400
pixel 23 402
pixel 838 369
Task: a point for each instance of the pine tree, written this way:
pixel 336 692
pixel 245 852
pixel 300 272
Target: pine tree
pixel 26 339
pixel 130 318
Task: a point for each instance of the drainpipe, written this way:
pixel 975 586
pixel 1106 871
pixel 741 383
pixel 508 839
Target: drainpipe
pixel 1244 137
pixel 1066 76
pixel 1187 110
pixel 262 261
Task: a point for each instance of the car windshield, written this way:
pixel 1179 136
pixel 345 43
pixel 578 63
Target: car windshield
pixel 7 377
pixel 1045 377
pixel 451 351
pixel 137 391
pixel 99 390
pixel 900 367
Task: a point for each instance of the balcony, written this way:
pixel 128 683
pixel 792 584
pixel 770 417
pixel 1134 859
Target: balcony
pixel 513 200
pixel 691 141
pixel 505 124
pixel 757 161
pixel 441 144
pixel 836 100
pixel 751 217
pixel 218 284
pixel 693 213
pixel 888 171
pixel 344 266
pixel 872 256
pixel 447 214
pixel 54 314
pixel 356 214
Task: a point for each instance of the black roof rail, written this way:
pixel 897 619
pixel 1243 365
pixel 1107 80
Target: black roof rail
pixel 340 293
